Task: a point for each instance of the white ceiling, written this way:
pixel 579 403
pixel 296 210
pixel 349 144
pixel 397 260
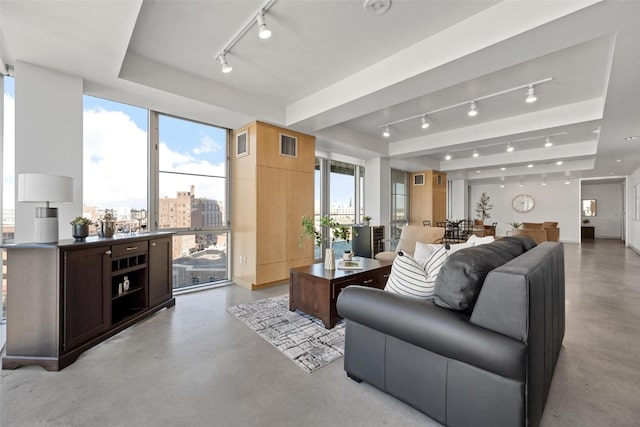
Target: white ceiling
pixel 334 71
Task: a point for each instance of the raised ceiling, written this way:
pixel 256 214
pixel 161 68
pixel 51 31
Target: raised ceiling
pixel 334 71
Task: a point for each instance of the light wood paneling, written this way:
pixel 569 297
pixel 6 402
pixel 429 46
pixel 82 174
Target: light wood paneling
pixel 428 201
pixel 270 195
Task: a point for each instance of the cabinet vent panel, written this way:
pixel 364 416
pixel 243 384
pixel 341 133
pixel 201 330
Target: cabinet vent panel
pixel 288 146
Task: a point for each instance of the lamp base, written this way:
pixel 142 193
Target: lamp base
pixel 46 225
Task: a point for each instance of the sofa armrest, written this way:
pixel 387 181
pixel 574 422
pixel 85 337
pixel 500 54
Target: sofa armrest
pixel 439 330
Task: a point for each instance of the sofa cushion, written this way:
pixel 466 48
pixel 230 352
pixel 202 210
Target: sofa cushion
pixel 424 250
pixel 408 277
pixel 461 278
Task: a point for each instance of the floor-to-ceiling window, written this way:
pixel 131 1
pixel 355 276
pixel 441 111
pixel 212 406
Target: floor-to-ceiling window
pixel 399 204
pixel 157 172
pixel 339 193
pixel 192 170
pixel 7 168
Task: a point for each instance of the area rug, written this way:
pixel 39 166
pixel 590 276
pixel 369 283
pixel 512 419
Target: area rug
pixel 302 338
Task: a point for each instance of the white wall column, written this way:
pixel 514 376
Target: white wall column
pixel 458 197
pixel 377 192
pixel 48 139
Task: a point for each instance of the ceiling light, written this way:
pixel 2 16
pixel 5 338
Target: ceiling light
pixel 386 132
pixel 473 111
pixel 618 160
pixel 226 68
pixel 263 32
pixel 377 7
pixel 509 148
pixel 530 165
pixel 478 171
pixel 425 123
pixel 521 185
pixel 531 95
pixel 631 138
pixel 544 183
pixel 475 153
pixel 547 142
pixel 503 168
pixel 567 182
pixel 559 162
pixel 501 185
pixel 447 157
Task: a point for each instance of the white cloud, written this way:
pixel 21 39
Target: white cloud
pixel 207 145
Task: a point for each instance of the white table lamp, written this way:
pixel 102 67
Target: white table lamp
pixel 41 188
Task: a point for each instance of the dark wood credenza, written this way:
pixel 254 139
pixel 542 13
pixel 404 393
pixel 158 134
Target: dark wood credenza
pixel 587 232
pixel 64 298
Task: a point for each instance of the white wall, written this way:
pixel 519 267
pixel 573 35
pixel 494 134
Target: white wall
pixel 457 198
pixel 609 207
pixel 633 225
pixel 377 192
pixel 48 138
pixel 556 201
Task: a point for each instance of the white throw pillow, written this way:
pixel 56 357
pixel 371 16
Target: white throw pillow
pixel 474 240
pixel 435 263
pixel 424 250
pixel 408 278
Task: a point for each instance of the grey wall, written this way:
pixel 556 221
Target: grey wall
pixel 609 198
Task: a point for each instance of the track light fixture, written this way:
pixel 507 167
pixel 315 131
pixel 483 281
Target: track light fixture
pixel 226 68
pixel 263 32
pixel 531 95
pixel 386 132
pixel 475 153
pixel 547 142
pixel 425 123
pixel 509 148
pixel 473 110
pixel 448 156
pixel 473 107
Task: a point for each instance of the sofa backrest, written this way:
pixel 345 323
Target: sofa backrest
pixel 525 300
pixel 417 233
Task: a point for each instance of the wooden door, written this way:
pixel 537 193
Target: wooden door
pixel 159 266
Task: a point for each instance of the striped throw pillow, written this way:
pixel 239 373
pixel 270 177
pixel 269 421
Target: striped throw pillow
pixel 410 278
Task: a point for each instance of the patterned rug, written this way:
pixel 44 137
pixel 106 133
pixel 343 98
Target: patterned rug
pixel 302 338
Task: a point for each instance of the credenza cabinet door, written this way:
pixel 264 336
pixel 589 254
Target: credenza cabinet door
pixel 86 295
pixel 160 265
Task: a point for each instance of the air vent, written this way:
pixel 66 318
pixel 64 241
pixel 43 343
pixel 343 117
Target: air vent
pixel 242 144
pixel 288 146
pixel 418 179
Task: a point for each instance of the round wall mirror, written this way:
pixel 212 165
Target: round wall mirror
pixel 522 203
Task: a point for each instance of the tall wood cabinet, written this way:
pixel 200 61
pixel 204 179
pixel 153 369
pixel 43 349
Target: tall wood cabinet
pixel 64 298
pixel 272 171
pixel 427 197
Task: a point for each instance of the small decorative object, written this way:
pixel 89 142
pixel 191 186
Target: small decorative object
pixel 338 231
pixel 366 219
pixel 106 225
pixel 329 259
pixel 80 228
pixel 120 288
pixel 515 225
pixel 347 255
pixel 483 207
pixel 585 221
pixel 125 284
pixel 354 264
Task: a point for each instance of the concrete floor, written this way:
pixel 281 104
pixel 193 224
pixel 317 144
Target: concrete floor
pixel 196 365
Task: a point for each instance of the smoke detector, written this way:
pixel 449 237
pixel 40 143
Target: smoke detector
pixel 377 7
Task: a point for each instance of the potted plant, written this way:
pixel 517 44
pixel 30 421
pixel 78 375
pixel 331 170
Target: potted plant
pixel 483 207
pixel 338 231
pixel 585 221
pixel 80 227
pixel 366 219
pixel 515 225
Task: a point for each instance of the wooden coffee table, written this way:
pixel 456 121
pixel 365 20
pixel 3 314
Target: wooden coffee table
pixel 314 290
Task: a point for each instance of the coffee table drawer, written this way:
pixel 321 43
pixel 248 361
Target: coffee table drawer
pixel 373 279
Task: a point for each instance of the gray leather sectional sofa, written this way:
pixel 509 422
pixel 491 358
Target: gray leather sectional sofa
pixel 487 363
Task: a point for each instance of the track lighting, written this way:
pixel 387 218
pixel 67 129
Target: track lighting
pixel 530 165
pixel 386 132
pixel 425 123
pixel 473 111
pixel 548 142
pixel 447 157
pixel 531 95
pixel 509 148
pixel 559 162
pixel 475 153
pixel 263 32
pixel 226 68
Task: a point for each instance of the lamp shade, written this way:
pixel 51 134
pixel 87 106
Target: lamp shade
pixel 36 187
